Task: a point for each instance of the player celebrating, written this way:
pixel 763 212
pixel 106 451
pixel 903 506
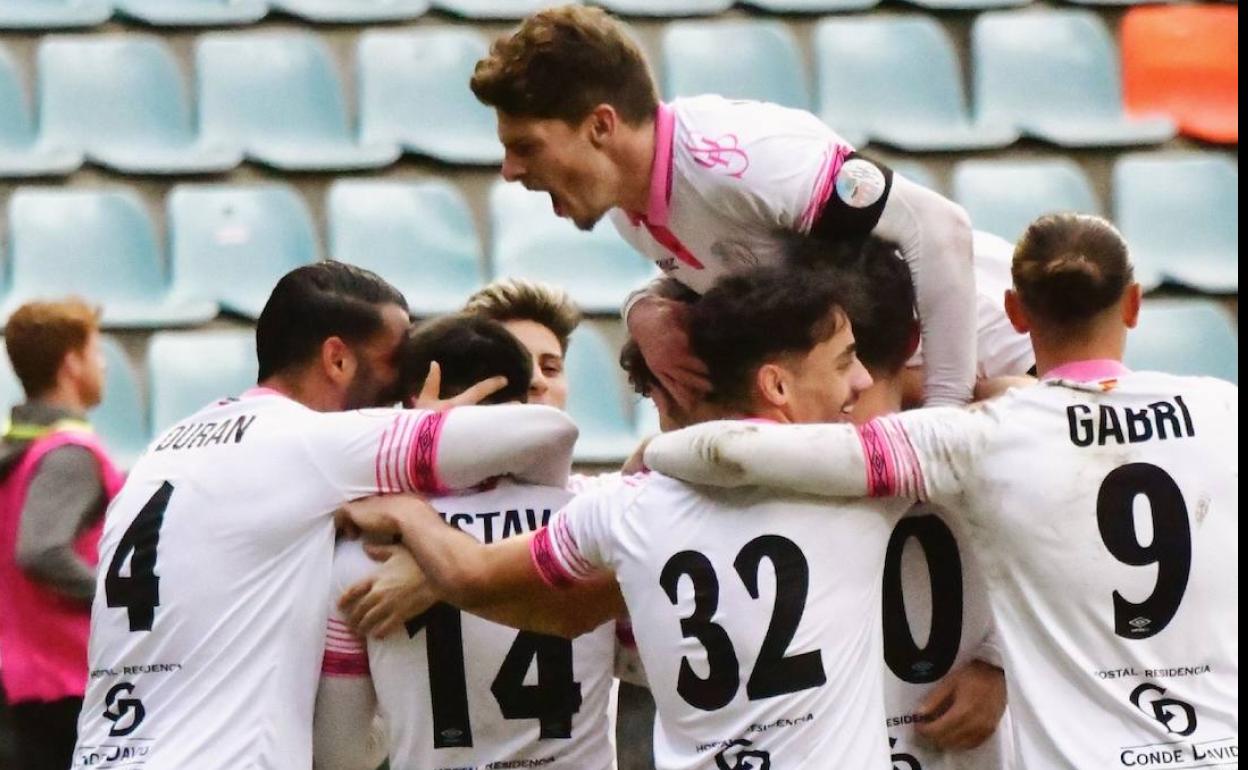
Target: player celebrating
pixel 452 687
pixel 761 643
pixel 1105 504
pixel 705 186
pixel 208 625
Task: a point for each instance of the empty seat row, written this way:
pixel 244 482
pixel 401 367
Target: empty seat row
pixel 227 246
pixel 60 14
pixel 184 371
pixel 1047 75
pixel 277 99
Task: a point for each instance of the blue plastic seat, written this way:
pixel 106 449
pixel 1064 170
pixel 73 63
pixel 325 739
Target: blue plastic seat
pixel 23 152
pixel 1054 75
pixel 121 418
pixel 1185 336
pixel 11 392
pixel 1180 213
pixel 811 6
pixel 353 11
pixel 665 7
pixel 194 13
pixel 897 79
pixel 764 64
pixel 491 9
pixel 598 398
pixel 187 371
pixel 278 95
pixel 418 236
pixel 100 245
pixel 230 245
pixel 122 100
pixel 413 91
pixel 599 269
pixel 1003 197
pixel 53 14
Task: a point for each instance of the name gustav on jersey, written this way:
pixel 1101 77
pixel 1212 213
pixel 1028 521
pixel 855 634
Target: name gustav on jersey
pixel 514 522
pixel 201 434
pixel 1160 420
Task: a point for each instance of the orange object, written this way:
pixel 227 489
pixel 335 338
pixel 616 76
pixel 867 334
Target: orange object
pixel 1183 61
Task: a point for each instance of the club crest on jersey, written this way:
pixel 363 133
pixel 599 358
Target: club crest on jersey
pixel 738 756
pixel 721 154
pixel 1178 717
pixel 126 714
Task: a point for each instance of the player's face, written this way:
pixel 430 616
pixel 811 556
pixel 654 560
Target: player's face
pixel 562 160
pixel 90 367
pixel 825 383
pixel 376 381
pixel 550 383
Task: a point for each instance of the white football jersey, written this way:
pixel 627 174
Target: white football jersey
pixel 457 691
pixel 937 618
pixel 757 617
pixel 1107 506
pixel 208 627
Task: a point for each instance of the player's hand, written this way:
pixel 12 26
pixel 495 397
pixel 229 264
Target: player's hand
pixel 964 708
pixel 378 515
pixel 636 462
pixel 381 603
pixel 660 327
pixel 428 398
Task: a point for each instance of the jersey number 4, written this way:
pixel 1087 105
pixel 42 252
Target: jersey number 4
pixel 774 672
pixel 139 592
pixel 552 701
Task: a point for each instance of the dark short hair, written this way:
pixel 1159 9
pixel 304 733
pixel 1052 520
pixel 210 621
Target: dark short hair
pixel 631 360
pixel 562 63
pixel 1068 268
pixel 468 348
pixel 752 318
pixel 885 327
pixel 312 303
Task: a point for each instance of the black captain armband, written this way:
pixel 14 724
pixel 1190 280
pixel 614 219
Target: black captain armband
pixel 857 199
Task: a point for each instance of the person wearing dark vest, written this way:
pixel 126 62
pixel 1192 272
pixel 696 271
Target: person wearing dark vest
pixel 55 482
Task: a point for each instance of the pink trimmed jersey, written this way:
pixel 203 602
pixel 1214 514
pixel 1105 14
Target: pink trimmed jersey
pixel 208 627
pixel 457 691
pixel 757 617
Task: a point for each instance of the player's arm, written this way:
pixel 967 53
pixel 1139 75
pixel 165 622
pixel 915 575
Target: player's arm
pixel 923 454
pixel 408 450
pixel 500 581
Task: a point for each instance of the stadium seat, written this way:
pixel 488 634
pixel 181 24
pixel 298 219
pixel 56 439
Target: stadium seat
pixel 419 236
pixel 811 6
pixel 11 392
pixel 765 64
pixel 98 244
pixel 53 14
pixel 122 100
pixel 186 371
pixel 597 399
pixel 665 7
pixel 23 152
pixel 121 418
pixel 1180 213
pixel 1185 336
pixel 1054 76
pixel 492 9
pixel 229 245
pixel 598 268
pixel 1003 197
pixel 897 80
pixel 646 418
pixel 413 92
pixel 1183 61
pixel 352 11
pixel 193 13
pixel 278 95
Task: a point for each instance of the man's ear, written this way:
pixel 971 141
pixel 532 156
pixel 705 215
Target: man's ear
pixel 1016 313
pixel 771 385
pixel 338 362
pixel 603 121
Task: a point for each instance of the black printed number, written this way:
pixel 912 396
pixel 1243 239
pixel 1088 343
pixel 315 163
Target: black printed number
pixel 907 660
pixel 139 592
pixel 1170 549
pixel 774 672
pixel 552 701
